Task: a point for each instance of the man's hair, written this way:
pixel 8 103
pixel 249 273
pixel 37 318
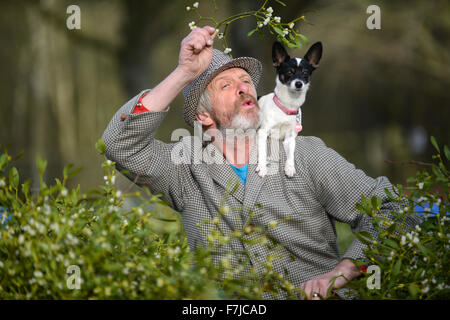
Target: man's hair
pixel 204 103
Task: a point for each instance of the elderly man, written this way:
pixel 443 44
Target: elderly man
pixel 220 94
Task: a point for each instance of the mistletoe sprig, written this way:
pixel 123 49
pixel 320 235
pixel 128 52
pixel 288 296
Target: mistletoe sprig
pixel 285 31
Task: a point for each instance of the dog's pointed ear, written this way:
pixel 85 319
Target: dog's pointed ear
pixel 314 54
pixel 279 54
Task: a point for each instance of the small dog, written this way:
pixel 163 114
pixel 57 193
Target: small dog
pixel 280 110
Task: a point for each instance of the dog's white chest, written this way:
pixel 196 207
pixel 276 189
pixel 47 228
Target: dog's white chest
pixel 274 120
pixel 283 128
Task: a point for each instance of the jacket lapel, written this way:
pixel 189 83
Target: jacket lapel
pixel 254 182
pixel 222 174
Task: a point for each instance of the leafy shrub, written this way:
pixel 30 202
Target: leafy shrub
pixel 48 238
pixel 414 264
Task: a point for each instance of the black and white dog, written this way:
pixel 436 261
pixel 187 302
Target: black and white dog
pixel 280 110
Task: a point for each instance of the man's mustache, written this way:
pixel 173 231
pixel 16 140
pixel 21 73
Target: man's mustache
pixel 245 97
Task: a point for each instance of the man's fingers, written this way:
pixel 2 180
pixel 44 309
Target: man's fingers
pixel 208 33
pixel 210 29
pixel 302 287
pixel 211 32
pixel 307 289
pixel 196 51
pixel 315 296
pixel 199 38
pixel 198 46
pixel 322 290
pixel 196 43
pixel 212 36
pixel 314 289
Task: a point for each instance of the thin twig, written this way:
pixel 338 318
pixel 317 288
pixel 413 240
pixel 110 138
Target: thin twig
pixel 402 163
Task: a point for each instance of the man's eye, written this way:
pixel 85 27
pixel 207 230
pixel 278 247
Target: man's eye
pixel 225 85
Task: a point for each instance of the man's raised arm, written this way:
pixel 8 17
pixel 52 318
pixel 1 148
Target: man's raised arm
pixel 195 57
pixel 130 137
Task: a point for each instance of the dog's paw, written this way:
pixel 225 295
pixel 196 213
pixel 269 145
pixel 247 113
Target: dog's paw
pixel 262 170
pixel 289 170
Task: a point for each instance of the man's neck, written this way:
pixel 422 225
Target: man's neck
pixel 237 150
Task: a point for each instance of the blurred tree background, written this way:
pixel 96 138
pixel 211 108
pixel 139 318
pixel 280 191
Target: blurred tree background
pixel 378 94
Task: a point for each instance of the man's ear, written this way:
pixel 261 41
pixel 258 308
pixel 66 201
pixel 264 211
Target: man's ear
pixel 279 54
pixel 204 118
pixel 314 54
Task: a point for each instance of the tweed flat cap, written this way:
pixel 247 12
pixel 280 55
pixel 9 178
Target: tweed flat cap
pixel 220 62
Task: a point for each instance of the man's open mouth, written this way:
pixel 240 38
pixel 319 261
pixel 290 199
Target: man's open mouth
pixel 248 103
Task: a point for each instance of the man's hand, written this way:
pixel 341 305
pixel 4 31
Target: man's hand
pixel 196 52
pixel 195 56
pixel 318 286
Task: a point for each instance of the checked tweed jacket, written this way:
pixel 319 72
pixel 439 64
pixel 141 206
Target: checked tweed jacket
pixel 325 189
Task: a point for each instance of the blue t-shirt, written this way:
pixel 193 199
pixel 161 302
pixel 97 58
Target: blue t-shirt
pixel 241 172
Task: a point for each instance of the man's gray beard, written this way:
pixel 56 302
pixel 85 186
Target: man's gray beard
pixel 236 133
pixel 240 126
pixel 241 122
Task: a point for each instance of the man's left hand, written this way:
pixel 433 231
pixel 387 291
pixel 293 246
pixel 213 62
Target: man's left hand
pixel 317 287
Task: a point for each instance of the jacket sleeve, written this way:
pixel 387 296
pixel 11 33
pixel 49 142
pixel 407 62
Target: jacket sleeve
pixel 130 142
pixel 339 186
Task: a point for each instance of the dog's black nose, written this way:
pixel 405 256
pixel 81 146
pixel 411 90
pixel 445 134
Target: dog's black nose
pixel 298 84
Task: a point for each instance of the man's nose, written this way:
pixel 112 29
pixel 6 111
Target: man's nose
pixel 243 88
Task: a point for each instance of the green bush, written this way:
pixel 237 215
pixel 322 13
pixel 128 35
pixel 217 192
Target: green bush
pixel 414 264
pixel 48 238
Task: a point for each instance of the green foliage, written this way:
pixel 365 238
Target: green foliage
pixel 414 263
pixel 119 253
pixel 142 253
pixel 285 31
pixel 100 146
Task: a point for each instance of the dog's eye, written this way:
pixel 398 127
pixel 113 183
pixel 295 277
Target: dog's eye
pixel 289 73
pixel 306 74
